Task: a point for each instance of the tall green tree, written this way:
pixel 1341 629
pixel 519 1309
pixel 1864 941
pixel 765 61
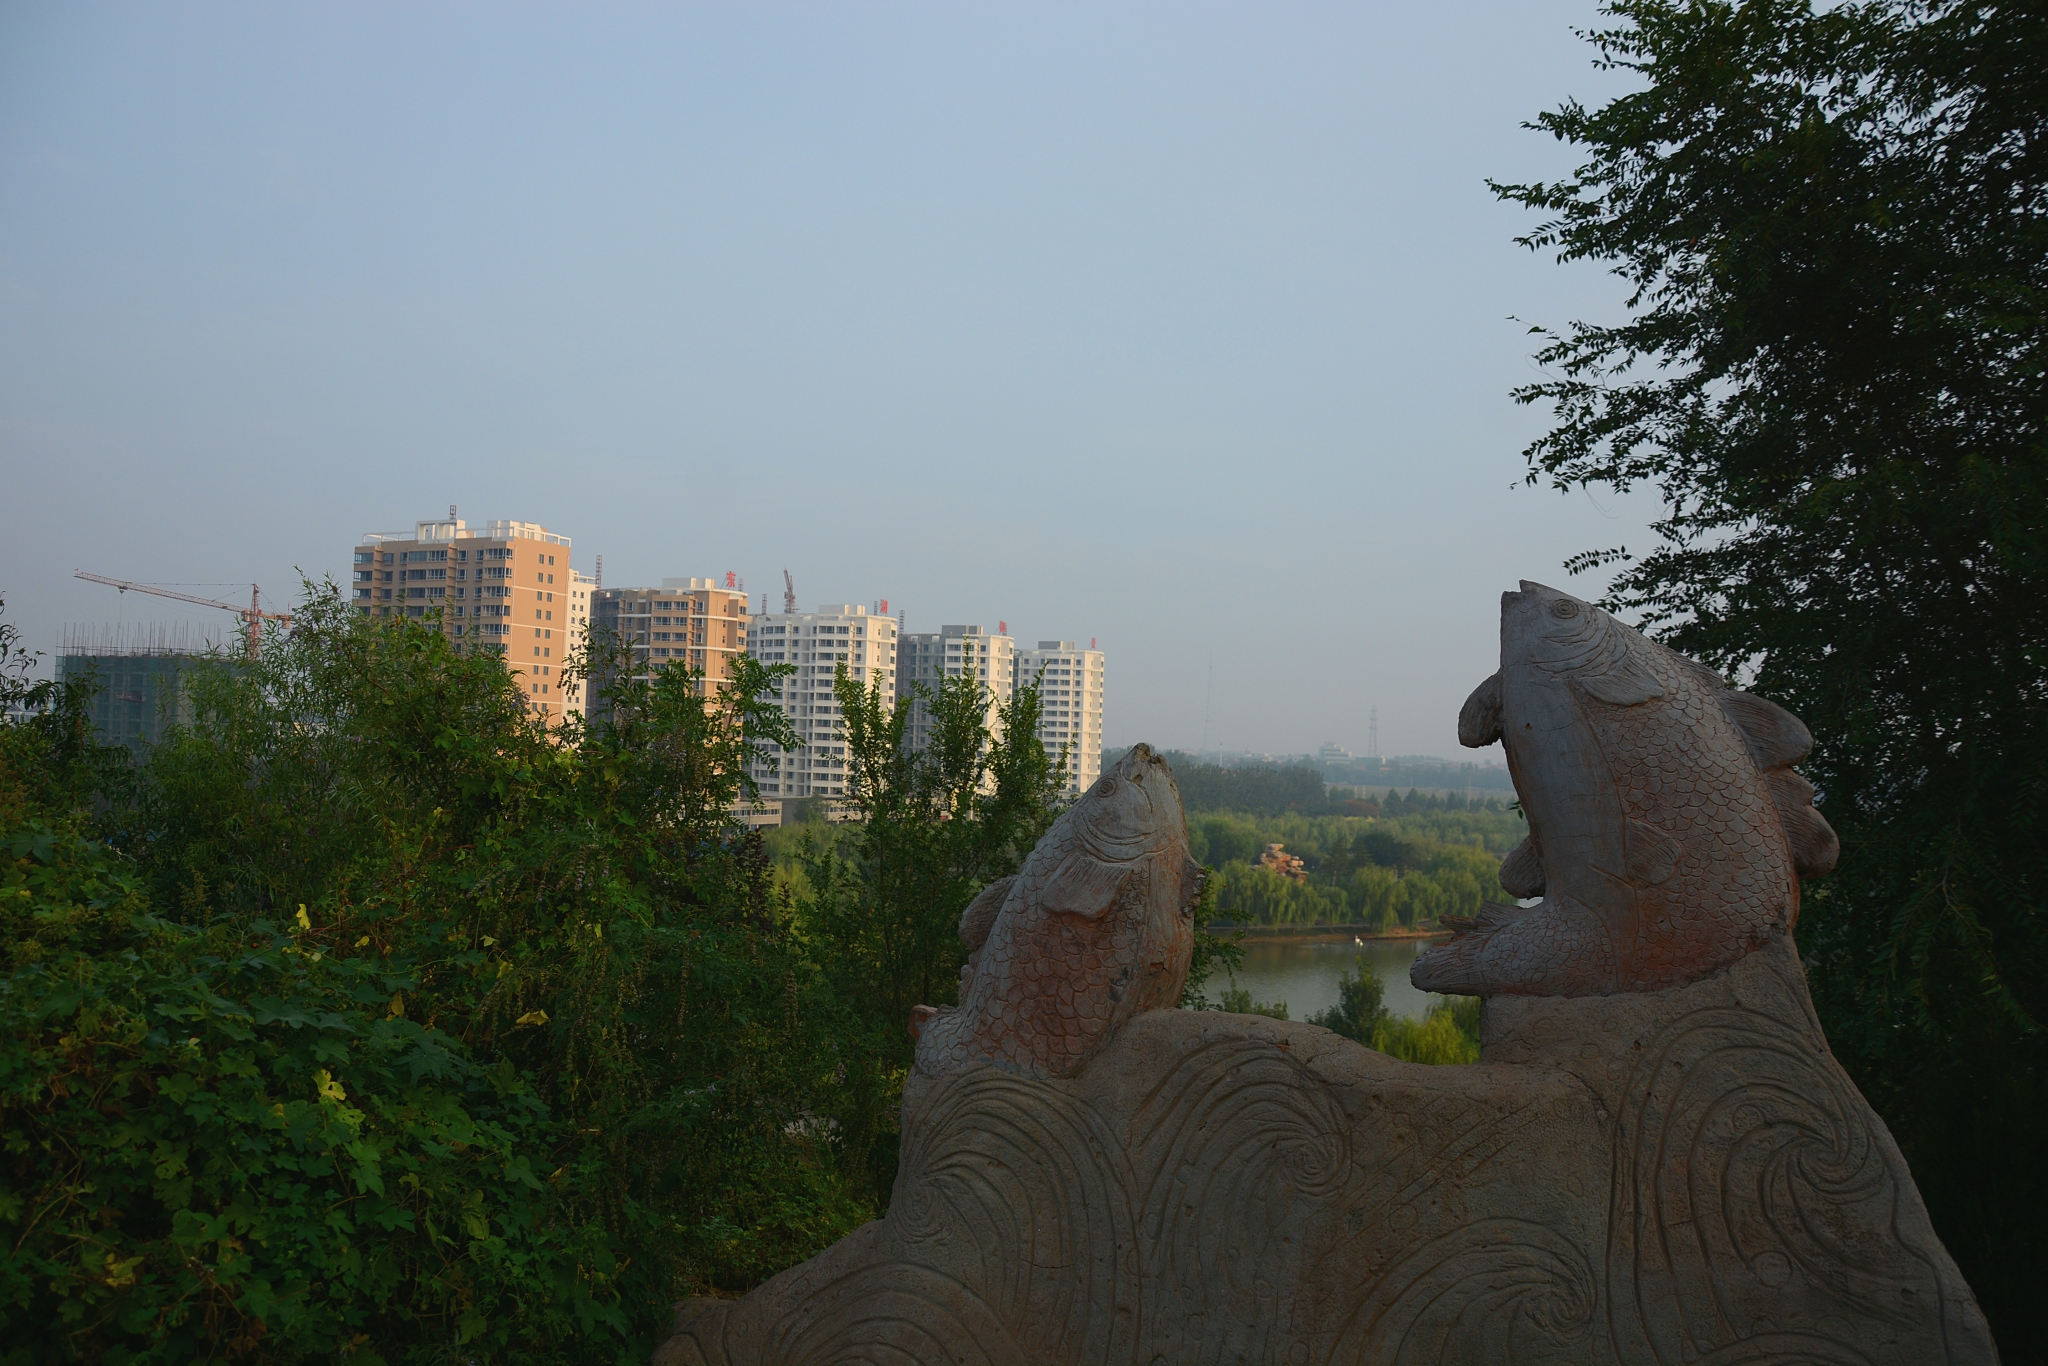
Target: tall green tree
pixel 366 1017
pixel 935 825
pixel 1834 222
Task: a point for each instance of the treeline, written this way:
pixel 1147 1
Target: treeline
pixel 1264 790
pixel 364 1019
pixel 1382 873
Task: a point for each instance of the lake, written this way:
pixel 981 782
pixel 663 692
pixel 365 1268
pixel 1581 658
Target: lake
pixel 1305 974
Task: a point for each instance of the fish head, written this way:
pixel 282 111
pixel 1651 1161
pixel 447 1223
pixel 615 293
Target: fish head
pixel 1132 810
pixel 1548 635
pixel 1115 871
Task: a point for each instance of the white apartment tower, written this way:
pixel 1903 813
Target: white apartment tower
pixel 947 653
pixel 817 644
pixel 502 587
pixel 1071 688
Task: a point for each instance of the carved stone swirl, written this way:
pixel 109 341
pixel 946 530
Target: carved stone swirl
pixel 1023 1189
pixel 1759 1211
pixel 1245 1157
pixel 1503 1290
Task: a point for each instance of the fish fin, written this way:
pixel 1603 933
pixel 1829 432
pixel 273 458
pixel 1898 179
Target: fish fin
pixel 1084 886
pixel 980 916
pixel 1814 844
pixel 1452 966
pixel 1625 685
pixel 1652 854
pixel 1479 718
pixel 1521 872
pixel 1776 737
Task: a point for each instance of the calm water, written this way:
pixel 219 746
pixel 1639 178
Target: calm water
pixel 1305 975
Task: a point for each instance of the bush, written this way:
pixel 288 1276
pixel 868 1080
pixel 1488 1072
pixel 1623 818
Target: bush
pixel 1449 1033
pixel 234 1140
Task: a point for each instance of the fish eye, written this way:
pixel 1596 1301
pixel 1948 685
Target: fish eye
pixel 1564 607
pixel 1105 788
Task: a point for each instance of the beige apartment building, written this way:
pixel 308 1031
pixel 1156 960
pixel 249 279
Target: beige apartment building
pixel 700 623
pixel 505 587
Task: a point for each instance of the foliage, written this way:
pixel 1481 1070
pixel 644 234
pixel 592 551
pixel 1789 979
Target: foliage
pixel 1211 951
pixel 236 1140
pixel 1835 225
pixel 1238 1001
pixel 1376 872
pixel 1261 791
pixel 560 1016
pixel 1449 1033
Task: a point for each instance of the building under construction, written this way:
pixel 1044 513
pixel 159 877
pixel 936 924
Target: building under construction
pixel 137 675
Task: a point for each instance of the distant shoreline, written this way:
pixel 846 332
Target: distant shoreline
pixel 1332 932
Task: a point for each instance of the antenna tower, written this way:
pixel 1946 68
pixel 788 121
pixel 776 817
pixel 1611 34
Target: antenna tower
pixel 1372 735
pixel 788 594
pixel 1208 703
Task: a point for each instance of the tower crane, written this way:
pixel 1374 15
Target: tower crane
pixel 788 594
pixel 253 615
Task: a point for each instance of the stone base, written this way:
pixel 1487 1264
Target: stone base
pixel 1680 1177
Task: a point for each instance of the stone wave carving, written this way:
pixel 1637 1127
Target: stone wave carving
pixel 1755 1197
pixel 1492 1290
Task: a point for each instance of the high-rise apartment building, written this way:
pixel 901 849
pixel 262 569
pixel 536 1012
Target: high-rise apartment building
pixel 700 623
pixel 500 586
pixel 817 644
pixel 1071 689
pixel 948 652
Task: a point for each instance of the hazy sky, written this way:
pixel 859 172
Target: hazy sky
pixel 1183 327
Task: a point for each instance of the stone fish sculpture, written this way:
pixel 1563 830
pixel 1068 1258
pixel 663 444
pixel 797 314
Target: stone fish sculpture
pixel 1095 928
pixel 1657 1160
pixel 1667 830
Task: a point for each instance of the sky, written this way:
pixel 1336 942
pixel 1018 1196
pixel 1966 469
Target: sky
pixel 1189 329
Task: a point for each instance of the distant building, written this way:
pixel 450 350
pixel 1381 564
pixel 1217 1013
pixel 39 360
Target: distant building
pixel 137 676
pixel 1285 864
pixel 1071 689
pixel 501 587
pixel 1333 753
pixel 950 651
pixel 817 644
pixel 699 623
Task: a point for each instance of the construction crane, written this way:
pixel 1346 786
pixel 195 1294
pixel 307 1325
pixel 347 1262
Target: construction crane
pixel 253 615
pixel 788 594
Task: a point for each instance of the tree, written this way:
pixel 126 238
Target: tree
pixel 934 827
pixel 1835 227
pixel 367 1018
